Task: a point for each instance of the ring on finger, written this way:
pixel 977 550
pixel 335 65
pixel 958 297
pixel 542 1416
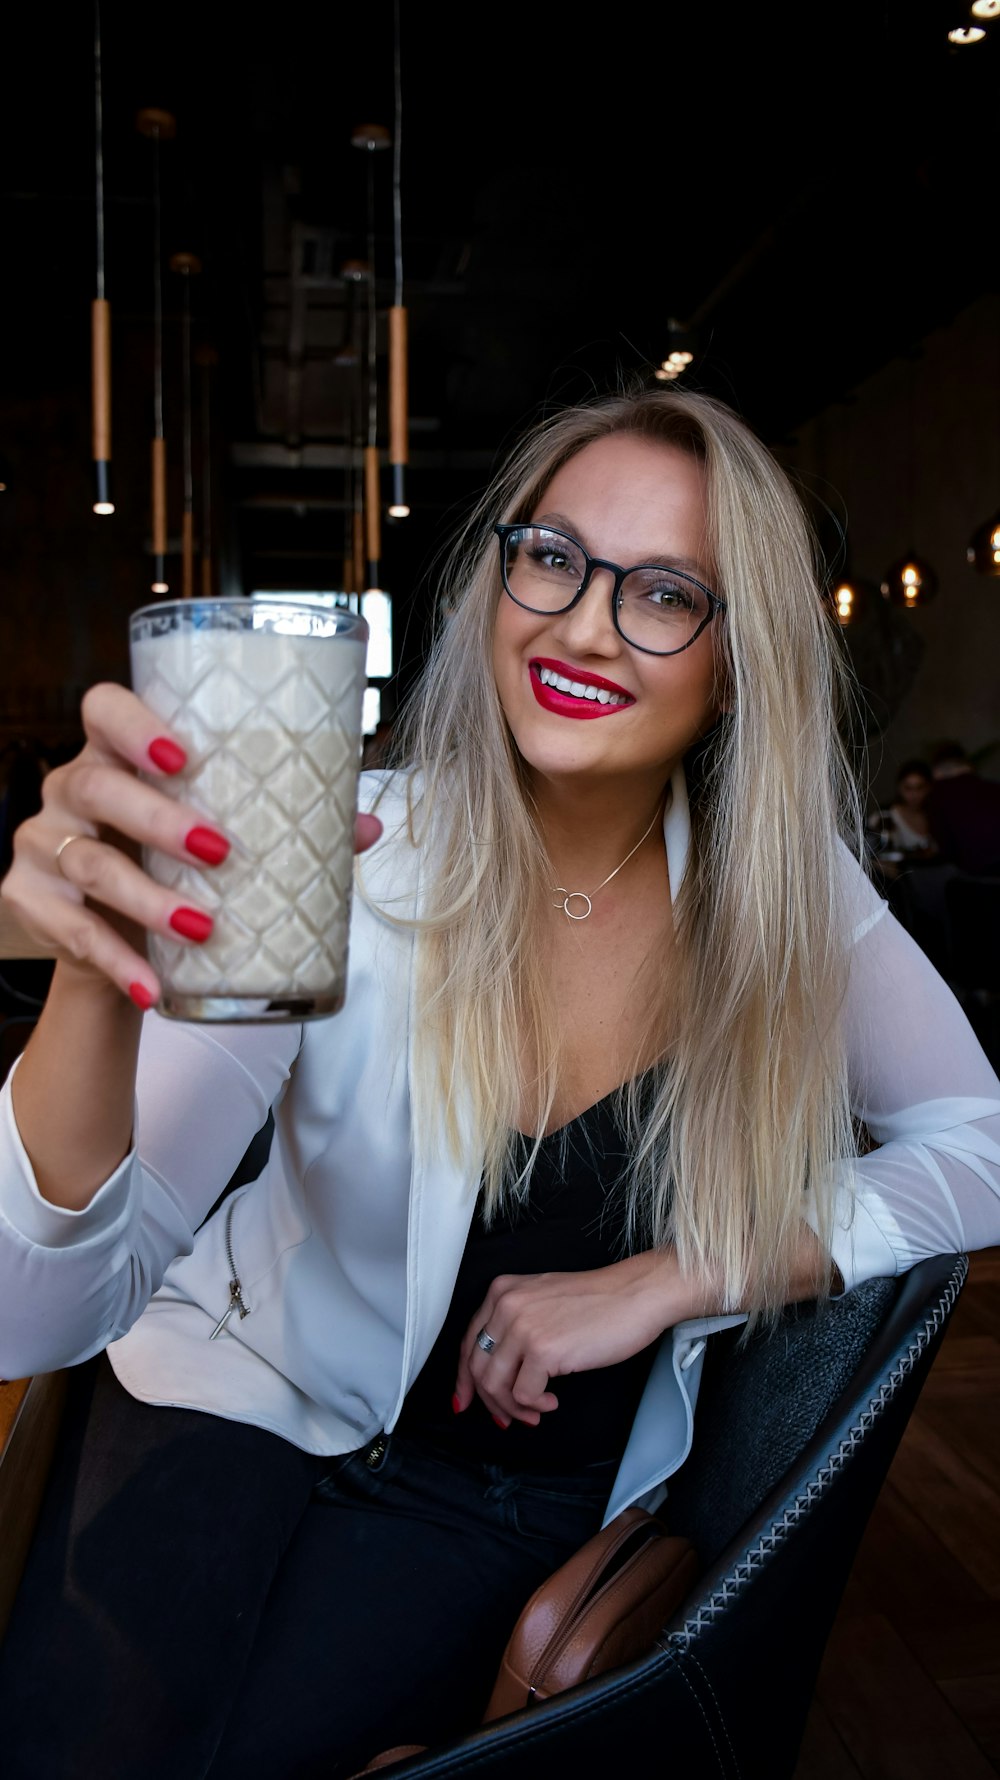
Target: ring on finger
pixel 485 1340
pixel 63 844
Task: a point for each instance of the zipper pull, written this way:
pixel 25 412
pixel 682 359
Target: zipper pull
pixel 235 1303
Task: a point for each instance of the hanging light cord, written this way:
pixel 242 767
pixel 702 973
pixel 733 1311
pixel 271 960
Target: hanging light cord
pixel 372 387
pixel 157 295
pixel 397 207
pixel 186 374
pixel 99 149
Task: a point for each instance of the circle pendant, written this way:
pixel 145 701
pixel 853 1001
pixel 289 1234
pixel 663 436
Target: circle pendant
pixel 569 896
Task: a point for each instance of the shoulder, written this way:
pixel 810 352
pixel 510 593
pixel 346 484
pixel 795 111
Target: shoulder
pixel 861 905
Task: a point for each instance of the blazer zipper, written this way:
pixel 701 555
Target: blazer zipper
pixel 236 1298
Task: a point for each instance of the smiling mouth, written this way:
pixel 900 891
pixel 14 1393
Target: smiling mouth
pixel 596 691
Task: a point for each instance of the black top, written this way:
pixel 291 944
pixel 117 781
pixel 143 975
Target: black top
pixel 573 1221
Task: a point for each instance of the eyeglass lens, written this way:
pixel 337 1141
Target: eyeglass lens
pixel 658 609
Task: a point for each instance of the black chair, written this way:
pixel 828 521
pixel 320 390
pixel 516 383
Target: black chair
pixel 794 1435
pixel 972 906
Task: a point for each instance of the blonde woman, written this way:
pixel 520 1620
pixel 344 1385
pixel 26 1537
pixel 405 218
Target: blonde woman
pixel 620 995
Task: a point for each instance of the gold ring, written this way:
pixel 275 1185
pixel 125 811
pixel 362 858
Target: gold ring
pixel 60 850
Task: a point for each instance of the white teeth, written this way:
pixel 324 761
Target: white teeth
pixel 580 688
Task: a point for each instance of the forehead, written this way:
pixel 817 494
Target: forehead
pixel 630 495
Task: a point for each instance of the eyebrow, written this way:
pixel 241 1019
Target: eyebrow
pixel 663 559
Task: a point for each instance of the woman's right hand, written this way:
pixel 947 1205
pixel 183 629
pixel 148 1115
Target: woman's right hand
pixel 90 902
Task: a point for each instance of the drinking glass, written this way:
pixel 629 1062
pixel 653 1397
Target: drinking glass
pixel 266 697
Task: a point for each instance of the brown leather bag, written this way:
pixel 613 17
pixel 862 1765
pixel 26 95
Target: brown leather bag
pixel 605 1606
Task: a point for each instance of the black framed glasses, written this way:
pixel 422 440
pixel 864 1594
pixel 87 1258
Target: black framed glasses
pixel 654 608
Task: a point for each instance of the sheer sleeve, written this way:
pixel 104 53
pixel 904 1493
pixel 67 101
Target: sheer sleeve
pixel 71 1281
pixel 924 1088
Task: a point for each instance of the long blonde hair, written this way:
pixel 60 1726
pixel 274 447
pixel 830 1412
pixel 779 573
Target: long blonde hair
pixel 748 1109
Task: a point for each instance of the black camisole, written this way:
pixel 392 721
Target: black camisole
pixel 572 1221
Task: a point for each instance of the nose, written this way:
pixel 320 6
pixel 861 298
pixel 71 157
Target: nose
pixel 588 628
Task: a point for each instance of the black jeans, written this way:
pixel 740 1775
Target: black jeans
pixel 204 1599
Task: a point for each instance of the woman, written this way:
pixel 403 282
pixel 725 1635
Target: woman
pixel 641 1030
pixel 903 829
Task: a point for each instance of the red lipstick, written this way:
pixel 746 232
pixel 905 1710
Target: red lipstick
pixel 563 704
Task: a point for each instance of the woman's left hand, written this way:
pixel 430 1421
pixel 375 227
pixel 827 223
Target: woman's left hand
pixel 546 1325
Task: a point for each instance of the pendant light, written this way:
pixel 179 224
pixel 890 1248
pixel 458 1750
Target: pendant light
pixel 398 419
pixel 100 312
pixel 158 126
pixel 206 358
pixel 372 138
pixel 983 551
pixel 187 266
pixel 910 580
pixel 851 598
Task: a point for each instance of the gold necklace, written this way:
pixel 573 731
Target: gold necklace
pixel 569 896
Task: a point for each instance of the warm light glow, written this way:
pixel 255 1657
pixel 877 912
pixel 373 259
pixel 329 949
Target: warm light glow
pixel 667 373
pixel 966 34
pixel 399 512
pixel 3 488
pixel 679 358
pixel 996 556
pixel 995 539
pixel 160 587
pixel 985 9
pixel 844 600
pixel 104 507
pixel 910 576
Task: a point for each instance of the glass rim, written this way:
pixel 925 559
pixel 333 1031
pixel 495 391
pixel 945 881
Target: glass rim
pixel 344 619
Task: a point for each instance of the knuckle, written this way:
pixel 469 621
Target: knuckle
pixel 79 939
pixel 86 787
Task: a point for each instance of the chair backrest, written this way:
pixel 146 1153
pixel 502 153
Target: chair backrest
pixel 973 912
pixel 725 1692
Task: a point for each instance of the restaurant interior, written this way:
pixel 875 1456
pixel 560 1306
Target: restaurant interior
pixel 281 291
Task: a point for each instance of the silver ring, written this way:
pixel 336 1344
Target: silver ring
pixel 60 850
pixel 485 1340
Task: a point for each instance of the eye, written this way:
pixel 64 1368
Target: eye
pixel 553 554
pixel 669 596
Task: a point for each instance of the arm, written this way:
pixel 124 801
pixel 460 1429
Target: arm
pixel 930 1099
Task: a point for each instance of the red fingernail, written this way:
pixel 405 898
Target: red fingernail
pixel 456 1404
pixel 191 923
pixel 141 996
pixel 206 844
pixel 166 755
pixel 499 1423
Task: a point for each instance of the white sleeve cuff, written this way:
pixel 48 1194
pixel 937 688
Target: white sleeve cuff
pixel 39 1223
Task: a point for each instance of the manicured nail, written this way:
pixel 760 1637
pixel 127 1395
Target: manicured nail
pixel 141 996
pixel 456 1405
pixel 207 844
pixel 166 755
pixel 191 923
pixel 499 1423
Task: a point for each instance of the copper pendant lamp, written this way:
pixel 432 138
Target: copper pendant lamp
pixel 187 266
pixel 100 312
pixel 159 126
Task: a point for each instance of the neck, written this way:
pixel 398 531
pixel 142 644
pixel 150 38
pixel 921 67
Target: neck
pixel 588 829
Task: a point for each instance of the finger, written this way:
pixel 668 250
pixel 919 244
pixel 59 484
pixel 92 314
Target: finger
pixel 529 1389
pixel 96 795
pixel 465 1388
pixel 116 722
pixel 366 832
pixel 493 1376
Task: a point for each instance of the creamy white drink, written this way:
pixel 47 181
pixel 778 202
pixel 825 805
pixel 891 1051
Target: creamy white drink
pixel 266 698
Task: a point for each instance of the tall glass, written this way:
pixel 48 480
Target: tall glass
pixel 266 697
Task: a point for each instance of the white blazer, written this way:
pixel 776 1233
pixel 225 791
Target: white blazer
pixel 348 1245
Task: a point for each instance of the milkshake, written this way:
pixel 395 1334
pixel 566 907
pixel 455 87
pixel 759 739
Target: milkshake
pixel 266 698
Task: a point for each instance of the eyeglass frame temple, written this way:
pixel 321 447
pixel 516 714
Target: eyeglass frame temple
pixel 504 529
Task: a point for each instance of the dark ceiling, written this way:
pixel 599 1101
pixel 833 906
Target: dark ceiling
pixel 807 186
